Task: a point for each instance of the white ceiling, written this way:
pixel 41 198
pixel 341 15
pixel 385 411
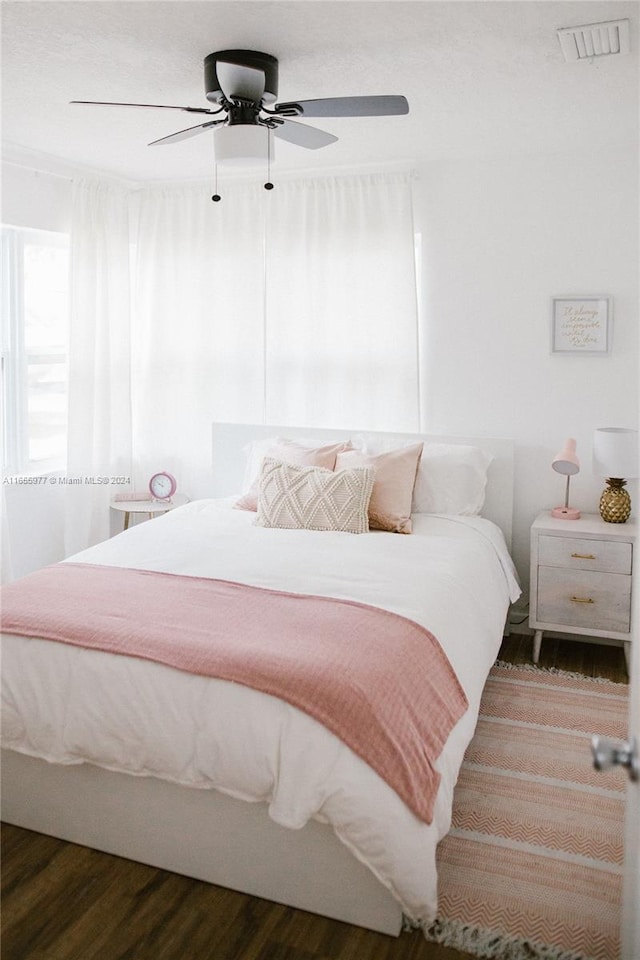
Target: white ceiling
pixel 482 78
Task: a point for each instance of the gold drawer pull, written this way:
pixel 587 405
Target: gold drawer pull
pixel 582 600
pixel 583 556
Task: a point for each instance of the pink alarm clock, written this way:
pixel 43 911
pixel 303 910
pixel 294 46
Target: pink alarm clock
pixel 162 485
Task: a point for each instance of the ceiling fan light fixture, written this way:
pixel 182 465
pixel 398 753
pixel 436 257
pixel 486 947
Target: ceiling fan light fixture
pixel 242 145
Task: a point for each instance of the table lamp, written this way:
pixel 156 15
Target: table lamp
pixel 615 456
pixel 566 463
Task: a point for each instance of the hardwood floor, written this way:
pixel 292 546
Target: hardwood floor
pixel 590 659
pixel 65 902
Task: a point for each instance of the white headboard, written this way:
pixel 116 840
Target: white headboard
pixel 230 459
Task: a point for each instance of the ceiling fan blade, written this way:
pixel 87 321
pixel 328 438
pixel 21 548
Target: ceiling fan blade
pixel 186 134
pixel 384 106
pixel 156 106
pixel 240 82
pixel 303 136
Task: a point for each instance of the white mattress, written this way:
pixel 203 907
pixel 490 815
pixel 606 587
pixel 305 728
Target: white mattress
pixel 70 705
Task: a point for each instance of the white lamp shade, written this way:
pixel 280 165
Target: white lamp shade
pixel 615 452
pixel 566 462
pixel 242 144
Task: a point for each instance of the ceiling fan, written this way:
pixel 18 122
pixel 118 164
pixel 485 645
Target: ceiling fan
pixel 244 85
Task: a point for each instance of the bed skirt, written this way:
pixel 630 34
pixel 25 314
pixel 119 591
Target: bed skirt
pixel 197 833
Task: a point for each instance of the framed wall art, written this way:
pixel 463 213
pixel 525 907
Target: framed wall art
pixel 581 324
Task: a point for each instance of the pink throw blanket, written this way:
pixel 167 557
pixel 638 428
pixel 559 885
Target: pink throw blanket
pixel 378 681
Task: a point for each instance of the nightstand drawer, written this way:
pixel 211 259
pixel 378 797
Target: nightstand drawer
pixel 607 556
pixel 596 601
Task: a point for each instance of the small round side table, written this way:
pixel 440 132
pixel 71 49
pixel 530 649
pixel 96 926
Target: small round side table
pixel 150 507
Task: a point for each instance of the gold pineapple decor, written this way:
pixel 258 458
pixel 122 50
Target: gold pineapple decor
pixel 615 455
pixel 615 502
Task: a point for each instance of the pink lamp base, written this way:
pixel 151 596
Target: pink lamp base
pixel 565 513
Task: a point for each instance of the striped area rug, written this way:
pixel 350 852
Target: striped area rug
pixel 532 867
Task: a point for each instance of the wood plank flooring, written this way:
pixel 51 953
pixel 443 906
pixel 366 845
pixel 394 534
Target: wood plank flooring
pixel 66 902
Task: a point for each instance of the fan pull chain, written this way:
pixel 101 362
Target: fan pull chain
pixel 216 196
pixel 268 185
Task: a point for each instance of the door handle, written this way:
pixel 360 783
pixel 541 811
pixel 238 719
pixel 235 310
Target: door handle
pixel 609 754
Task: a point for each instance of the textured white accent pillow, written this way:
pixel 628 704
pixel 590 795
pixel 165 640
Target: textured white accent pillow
pixel 311 498
pixel 289 451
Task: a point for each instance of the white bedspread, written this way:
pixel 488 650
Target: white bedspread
pixel 69 705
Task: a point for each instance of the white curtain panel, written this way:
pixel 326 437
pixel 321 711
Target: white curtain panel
pixel 198 325
pixel 341 305
pixel 293 306
pixel 99 431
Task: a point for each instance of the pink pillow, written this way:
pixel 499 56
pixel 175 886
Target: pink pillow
pixel 395 476
pixel 299 456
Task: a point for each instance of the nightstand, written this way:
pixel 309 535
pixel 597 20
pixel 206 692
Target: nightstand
pixel 581 578
pixel 150 507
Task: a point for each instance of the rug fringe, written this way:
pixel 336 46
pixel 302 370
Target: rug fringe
pixel 492 944
pixel 570 675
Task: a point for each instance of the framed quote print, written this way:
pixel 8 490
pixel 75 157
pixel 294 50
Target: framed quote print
pixel 581 324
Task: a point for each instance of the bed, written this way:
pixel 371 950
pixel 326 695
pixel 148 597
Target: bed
pixel 228 783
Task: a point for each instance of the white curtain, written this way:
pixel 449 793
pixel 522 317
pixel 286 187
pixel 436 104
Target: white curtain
pixel 198 329
pixel 99 431
pixel 341 304
pixel 292 306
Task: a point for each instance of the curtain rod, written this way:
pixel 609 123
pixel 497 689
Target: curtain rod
pixel 86 173
pixel 288 174
pixel 48 173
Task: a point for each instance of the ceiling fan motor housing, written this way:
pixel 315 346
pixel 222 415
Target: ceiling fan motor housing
pixel 242 58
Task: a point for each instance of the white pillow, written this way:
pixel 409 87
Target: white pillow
pixel 312 498
pixel 256 451
pixel 452 478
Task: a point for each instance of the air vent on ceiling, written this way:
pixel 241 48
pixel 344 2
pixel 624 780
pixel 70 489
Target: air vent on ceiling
pixel 594 40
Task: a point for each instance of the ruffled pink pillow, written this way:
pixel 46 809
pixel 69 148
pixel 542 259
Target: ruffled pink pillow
pixel 395 476
pixel 299 456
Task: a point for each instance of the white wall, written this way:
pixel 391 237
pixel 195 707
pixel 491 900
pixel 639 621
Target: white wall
pixel 500 238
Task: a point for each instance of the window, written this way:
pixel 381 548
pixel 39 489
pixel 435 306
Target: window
pixel 35 320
